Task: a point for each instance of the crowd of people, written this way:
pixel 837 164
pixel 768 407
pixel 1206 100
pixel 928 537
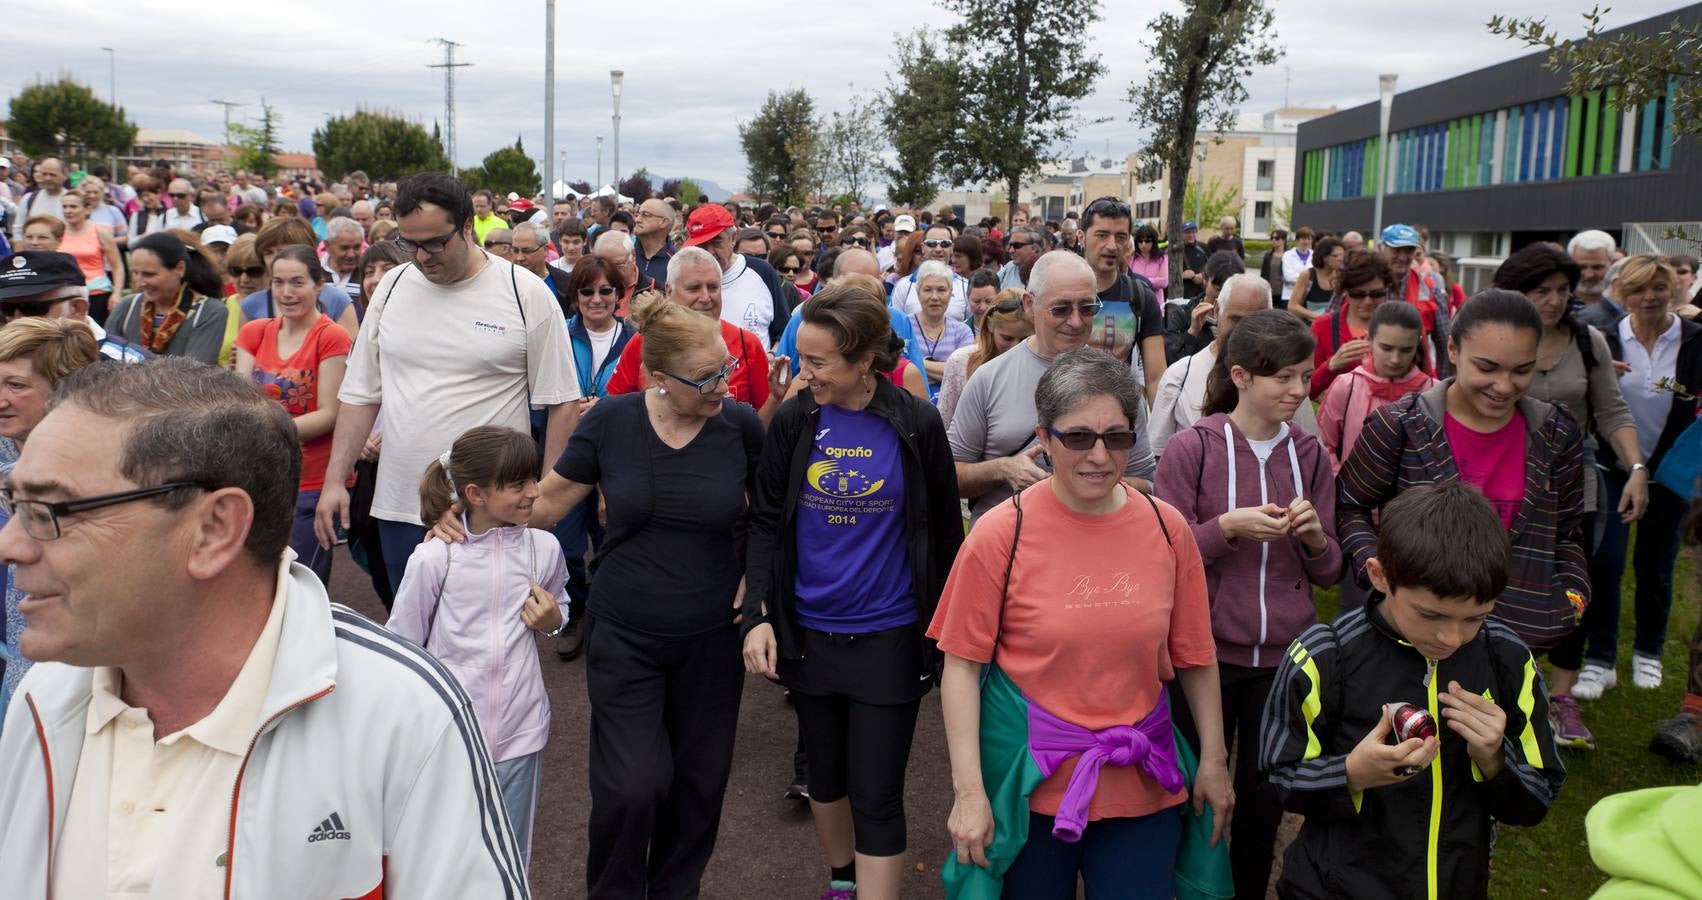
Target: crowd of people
pixel 858 453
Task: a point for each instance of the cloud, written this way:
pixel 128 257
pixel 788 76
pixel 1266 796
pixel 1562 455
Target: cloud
pixel 692 71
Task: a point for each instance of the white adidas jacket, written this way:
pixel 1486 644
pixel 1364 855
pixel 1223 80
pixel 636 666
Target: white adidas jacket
pixel 367 776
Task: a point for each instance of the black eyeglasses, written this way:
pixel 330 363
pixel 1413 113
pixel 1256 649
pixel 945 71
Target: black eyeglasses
pixel 1367 293
pixel 19 309
pixel 1115 441
pixel 175 195
pixel 708 385
pixel 1061 311
pixel 776 235
pixel 41 518
pixel 936 243
pixel 607 290
pixel 429 245
pixel 249 271
pixel 524 250
pixel 857 239
pixel 1018 245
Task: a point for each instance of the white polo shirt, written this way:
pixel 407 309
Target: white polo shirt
pixel 441 359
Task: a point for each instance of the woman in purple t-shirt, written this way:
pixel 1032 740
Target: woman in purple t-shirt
pixel 854 526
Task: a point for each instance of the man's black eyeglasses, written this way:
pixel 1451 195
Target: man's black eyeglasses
pixel 41 518
pixel 1084 440
pixel 708 385
pixel 429 245
pixel 1018 245
pixel 17 309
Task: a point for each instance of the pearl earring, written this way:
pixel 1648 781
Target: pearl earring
pixel 662 391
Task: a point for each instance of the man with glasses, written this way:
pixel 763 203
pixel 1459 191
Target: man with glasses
pixel 526 249
pixel 827 229
pixel 475 341
pixel 650 228
pixel 497 241
pixel 183 213
pixel 750 288
pixel 615 249
pixel 1024 244
pixel 136 761
pixel 937 244
pixel 51 285
pixel 1130 316
pixel 992 430
pixel 46 199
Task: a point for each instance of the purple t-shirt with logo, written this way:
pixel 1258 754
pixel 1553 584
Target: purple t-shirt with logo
pixel 853 559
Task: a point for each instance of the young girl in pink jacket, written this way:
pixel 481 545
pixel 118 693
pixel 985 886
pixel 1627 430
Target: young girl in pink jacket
pixel 1391 373
pixel 474 604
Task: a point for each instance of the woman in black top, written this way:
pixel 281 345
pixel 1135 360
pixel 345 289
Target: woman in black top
pixel 663 672
pixel 854 525
pixel 1317 285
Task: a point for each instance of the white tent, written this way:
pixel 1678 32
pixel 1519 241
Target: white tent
pixel 609 191
pixel 560 189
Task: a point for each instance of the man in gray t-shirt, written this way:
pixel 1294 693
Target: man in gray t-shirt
pixel 992 431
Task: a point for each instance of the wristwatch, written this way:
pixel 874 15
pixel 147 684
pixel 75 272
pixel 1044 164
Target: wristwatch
pixel 1639 467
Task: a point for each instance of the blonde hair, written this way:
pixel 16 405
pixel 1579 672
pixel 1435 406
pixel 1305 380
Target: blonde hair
pixel 985 346
pixel 54 347
pixel 244 253
pixel 1643 270
pixel 670 330
pixel 382 230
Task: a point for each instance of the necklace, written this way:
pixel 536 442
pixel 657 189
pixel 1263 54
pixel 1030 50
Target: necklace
pixel 934 344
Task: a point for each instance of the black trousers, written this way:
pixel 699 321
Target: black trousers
pixel 1258 808
pixel 663 716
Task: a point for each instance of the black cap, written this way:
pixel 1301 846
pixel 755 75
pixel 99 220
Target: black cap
pixel 31 272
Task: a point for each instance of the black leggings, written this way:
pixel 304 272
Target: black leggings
pixel 860 749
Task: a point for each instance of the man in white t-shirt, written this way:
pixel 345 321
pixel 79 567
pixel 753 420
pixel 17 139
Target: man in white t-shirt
pixel 750 288
pixel 453 340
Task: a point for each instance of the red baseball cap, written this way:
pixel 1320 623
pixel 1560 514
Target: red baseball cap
pixel 706 223
pixel 521 204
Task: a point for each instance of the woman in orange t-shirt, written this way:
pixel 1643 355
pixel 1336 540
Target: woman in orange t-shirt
pixel 299 359
pixel 1086 597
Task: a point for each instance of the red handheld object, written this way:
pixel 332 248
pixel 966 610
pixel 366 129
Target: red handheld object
pixel 1409 721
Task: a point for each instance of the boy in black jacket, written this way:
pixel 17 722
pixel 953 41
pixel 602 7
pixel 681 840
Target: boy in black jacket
pixel 1412 818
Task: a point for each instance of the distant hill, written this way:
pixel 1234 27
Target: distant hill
pixel 716 193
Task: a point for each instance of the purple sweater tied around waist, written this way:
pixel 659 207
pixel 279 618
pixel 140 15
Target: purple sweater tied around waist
pixel 1149 744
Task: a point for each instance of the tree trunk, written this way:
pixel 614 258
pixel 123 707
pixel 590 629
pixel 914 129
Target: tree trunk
pixel 1010 215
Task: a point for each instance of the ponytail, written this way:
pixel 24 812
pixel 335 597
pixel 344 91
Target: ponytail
pixel 488 456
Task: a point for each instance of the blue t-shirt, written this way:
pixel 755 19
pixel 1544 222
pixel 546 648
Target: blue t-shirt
pixel 853 558
pixel 258 305
pixel 788 346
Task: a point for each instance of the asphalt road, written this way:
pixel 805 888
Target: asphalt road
pixel 767 846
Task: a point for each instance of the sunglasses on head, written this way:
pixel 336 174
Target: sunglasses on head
pixel 1007 306
pixel 1084 440
pixel 1117 209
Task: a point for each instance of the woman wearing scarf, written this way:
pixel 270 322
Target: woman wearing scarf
pixel 174 314
pixel 1082 597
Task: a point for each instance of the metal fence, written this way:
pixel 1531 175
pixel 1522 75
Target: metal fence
pixel 1662 237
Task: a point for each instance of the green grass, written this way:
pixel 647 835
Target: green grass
pixel 1553 859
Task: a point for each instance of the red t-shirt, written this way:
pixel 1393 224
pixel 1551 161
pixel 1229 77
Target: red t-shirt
pixel 294 382
pixel 1492 461
pixel 748 383
pixel 1100 613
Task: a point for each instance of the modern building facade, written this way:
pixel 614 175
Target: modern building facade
pixel 1494 159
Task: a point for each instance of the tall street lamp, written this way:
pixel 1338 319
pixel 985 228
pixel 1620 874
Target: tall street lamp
pixel 549 102
pixel 615 78
pixel 599 162
pixel 1385 99
pixel 112 97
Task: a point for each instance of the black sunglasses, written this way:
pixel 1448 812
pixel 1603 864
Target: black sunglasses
pixel 791 270
pixel 1007 306
pixel 607 290
pixel 249 271
pixel 1084 440
pixel 1018 245
pixel 857 239
pixel 776 235
pixel 175 194
pixel 1366 294
pixel 1117 209
pixel 18 309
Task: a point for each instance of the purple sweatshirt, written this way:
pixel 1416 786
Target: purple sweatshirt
pixel 1260 596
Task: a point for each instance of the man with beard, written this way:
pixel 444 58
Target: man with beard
pixel 1129 314
pixel 1024 244
pixel 1593 252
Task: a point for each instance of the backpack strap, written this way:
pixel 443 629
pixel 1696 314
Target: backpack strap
pixel 1335 332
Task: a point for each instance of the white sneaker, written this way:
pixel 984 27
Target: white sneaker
pixel 1594 679
pixel 1645 672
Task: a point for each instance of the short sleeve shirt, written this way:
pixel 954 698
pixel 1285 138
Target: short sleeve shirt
pixel 1493 462
pixel 294 382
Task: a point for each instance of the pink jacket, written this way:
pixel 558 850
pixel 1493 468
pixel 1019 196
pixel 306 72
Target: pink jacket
pixel 462 602
pixel 1156 271
pixel 1355 395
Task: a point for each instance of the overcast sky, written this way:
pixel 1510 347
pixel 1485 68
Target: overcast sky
pixel 692 71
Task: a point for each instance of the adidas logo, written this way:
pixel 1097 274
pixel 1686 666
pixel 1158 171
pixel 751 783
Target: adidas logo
pixel 332 829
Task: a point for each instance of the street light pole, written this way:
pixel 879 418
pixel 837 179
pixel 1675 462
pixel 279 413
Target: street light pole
pixel 112 97
pixel 1385 99
pixel 599 162
pixel 615 78
pixel 549 103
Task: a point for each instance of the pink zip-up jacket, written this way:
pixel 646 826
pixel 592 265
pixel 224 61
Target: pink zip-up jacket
pixel 1354 396
pixel 462 603
pixel 1261 595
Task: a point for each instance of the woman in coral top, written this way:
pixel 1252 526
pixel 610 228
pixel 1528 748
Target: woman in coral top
pixel 298 358
pixel 1085 597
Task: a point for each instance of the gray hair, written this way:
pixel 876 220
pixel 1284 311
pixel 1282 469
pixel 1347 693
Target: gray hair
pixel 1042 271
pixel 1612 274
pixel 690 256
pixel 1032 232
pixel 1080 375
pixel 539 231
pixel 497 234
pixel 1590 241
pixel 933 268
pixel 341 225
pixel 609 238
pixel 180 420
pixel 1245 281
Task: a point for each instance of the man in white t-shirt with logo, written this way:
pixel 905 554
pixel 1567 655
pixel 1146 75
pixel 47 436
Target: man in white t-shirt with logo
pixel 750 288
pixel 452 340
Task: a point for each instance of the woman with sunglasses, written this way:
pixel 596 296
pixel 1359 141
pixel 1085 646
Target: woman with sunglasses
pixel 854 525
pixel 1362 284
pixel 675 462
pixel 804 241
pixel 1003 326
pixel 1149 261
pixel 789 263
pixel 1081 597
pixel 244 268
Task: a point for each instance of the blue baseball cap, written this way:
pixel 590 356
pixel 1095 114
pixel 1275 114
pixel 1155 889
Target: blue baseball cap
pixel 1398 236
pixel 1190 225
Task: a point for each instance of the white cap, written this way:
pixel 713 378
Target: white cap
pixel 218 234
pixel 904 223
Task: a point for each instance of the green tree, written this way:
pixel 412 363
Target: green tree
pixel 1202 58
pixel 1642 68
pixel 581 188
pixel 922 98
pixel 688 191
pixel 508 170
pixel 851 143
pixel 64 118
pixel 1025 68
pixel 257 146
pixel 1220 199
pixel 783 148
pixel 382 144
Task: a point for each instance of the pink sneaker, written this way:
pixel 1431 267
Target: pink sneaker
pixel 1567 720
